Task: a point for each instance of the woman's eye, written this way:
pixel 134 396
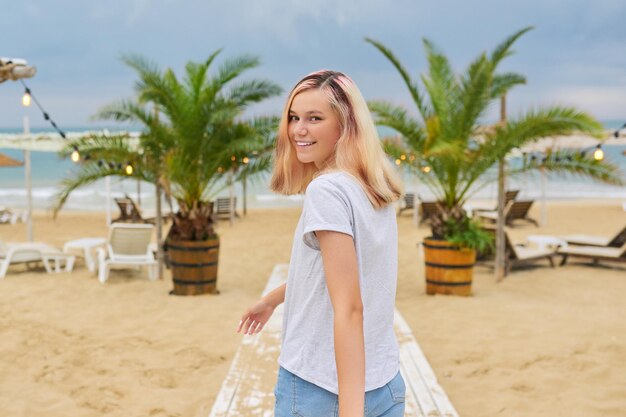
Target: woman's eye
pixel 293 118
pixel 315 118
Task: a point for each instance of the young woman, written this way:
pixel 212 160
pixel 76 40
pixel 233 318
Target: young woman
pixel 339 354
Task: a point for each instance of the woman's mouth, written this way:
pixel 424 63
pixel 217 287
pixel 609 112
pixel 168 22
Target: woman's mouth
pixel 304 143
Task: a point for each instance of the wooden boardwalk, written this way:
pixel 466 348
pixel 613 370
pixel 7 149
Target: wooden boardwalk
pixel 248 389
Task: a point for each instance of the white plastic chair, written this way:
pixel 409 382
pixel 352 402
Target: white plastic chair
pixel 15 253
pixel 128 246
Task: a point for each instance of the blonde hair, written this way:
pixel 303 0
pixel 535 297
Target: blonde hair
pixel 357 152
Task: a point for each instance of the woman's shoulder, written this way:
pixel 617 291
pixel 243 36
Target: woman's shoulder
pixel 337 178
pixel 339 183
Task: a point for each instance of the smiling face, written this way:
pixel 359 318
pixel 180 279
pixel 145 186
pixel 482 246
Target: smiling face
pixel 314 128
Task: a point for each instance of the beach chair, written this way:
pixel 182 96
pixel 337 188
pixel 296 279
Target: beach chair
pixel 26 253
pixel 408 203
pixel 595 253
pixel 520 254
pixel 428 210
pixel 222 205
pixel 128 245
pixel 515 210
pixel 131 212
pixel 608 242
pixel 12 216
pixel 510 195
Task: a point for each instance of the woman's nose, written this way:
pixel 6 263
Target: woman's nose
pixel 300 128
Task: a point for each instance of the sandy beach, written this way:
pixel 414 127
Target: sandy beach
pixel 545 342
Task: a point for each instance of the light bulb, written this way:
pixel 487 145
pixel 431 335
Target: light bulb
pixel 598 154
pixel 129 169
pixel 398 162
pixel 426 169
pixel 403 157
pixel 75 156
pixel 26 99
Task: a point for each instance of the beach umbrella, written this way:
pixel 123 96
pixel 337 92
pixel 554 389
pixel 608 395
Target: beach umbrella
pixel 6 161
pixel 15 69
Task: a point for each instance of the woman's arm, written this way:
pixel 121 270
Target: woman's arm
pixel 342 279
pixel 254 319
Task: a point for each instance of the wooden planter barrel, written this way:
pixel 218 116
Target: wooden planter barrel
pixel 194 266
pixel 449 269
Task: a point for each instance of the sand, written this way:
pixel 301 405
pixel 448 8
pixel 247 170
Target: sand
pixel 544 342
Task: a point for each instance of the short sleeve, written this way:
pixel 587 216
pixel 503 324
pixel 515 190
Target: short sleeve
pixel 326 207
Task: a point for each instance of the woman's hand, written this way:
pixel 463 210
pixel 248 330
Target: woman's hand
pixel 255 317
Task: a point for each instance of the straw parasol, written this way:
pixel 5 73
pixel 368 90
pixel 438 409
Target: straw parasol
pixel 6 161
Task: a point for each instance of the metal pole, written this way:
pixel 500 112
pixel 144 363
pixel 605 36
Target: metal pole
pixel 416 205
pixel 107 187
pixel 500 237
pixel 159 231
pixel 244 195
pixel 544 206
pixel 139 192
pixel 29 185
pixel 231 196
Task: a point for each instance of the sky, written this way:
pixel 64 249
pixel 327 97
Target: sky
pixel 575 55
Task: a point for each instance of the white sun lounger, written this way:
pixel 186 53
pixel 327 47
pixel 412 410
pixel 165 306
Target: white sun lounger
pixel 128 246
pixel 16 253
pixel 247 390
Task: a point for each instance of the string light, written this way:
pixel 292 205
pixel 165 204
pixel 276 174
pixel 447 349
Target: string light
pixel 75 154
pixel 398 162
pixel 403 157
pixel 598 154
pixel 245 160
pixel 46 116
pixel 26 99
pixel 129 169
pixel 426 169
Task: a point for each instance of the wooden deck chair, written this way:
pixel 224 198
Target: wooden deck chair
pixel 408 202
pixel 515 210
pixel 510 195
pixel 128 211
pixel 520 254
pixel 132 213
pixel 128 245
pixel 222 207
pixel 608 242
pixel 523 254
pixel 428 210
pixel 519 211
pixel 595 253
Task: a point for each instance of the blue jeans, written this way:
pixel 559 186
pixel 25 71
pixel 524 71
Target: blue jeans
pixel 296 397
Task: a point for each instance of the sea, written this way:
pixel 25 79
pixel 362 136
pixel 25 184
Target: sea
pixel 49 169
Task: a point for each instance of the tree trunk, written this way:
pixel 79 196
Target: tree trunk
pixel 500 238
pixel 159 231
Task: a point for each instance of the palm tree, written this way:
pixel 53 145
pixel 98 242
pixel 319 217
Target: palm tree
pixel 453 142
pixel 450 149
pixel 191 131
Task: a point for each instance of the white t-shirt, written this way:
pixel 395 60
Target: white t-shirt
pixel 336 201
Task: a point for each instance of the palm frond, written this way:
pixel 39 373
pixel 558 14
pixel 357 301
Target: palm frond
pixel 410 84
pixel 253 91
pixel 396 118
pixel 504 49
pixel 502 83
